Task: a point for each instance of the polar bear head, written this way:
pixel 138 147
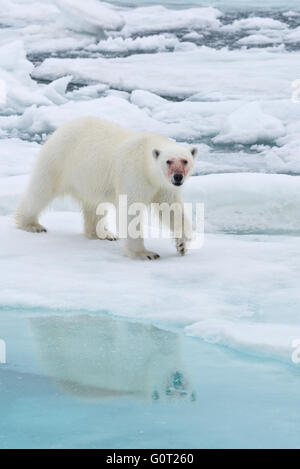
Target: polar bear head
pixel 174 163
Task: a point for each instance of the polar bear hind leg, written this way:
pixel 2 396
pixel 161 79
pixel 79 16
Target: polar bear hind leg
pixel 35 200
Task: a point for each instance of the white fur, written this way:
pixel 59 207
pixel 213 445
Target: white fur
pixel 95 161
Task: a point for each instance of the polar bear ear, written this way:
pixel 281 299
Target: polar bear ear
pixel 155 153
pixel 194 152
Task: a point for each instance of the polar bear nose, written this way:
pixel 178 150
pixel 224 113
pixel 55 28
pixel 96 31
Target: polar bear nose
pixel 177 179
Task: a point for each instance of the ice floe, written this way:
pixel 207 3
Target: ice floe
pixel 158 18
pixel 218 289
pixel 183 74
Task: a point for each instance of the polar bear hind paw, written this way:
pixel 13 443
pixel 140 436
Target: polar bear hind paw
pixel 34 228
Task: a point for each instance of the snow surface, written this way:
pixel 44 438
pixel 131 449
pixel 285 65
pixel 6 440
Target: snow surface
pixel 202 75
pixel 225 289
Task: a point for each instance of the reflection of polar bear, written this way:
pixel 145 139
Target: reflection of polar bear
pixel 95 162
pixel 98 357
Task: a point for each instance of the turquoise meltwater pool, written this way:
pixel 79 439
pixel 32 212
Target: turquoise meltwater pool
pixel 92 381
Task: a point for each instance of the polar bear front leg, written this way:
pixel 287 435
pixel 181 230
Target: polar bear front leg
pixel 186 228
pixel 94 229
pixel 178 221
pixel 134 246
pixel 135 249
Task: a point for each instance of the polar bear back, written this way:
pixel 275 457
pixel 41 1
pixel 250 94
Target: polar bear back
pixel 86 136
pixel 82 150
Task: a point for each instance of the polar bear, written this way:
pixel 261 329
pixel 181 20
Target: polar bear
pixel 95 161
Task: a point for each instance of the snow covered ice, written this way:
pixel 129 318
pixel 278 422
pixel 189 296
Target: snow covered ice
pixel 221 75
pixel 234 101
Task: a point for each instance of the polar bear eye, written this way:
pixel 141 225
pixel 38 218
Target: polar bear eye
pixel 185 161
pixel 169 162
pixel 155 153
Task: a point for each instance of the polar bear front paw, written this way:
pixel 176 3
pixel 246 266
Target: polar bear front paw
pixel 108 235
pixel 181 246
pixel 144 255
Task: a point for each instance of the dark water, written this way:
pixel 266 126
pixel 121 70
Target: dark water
pixel 215 39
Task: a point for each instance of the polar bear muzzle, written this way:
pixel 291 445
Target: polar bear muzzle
pixel 177 179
